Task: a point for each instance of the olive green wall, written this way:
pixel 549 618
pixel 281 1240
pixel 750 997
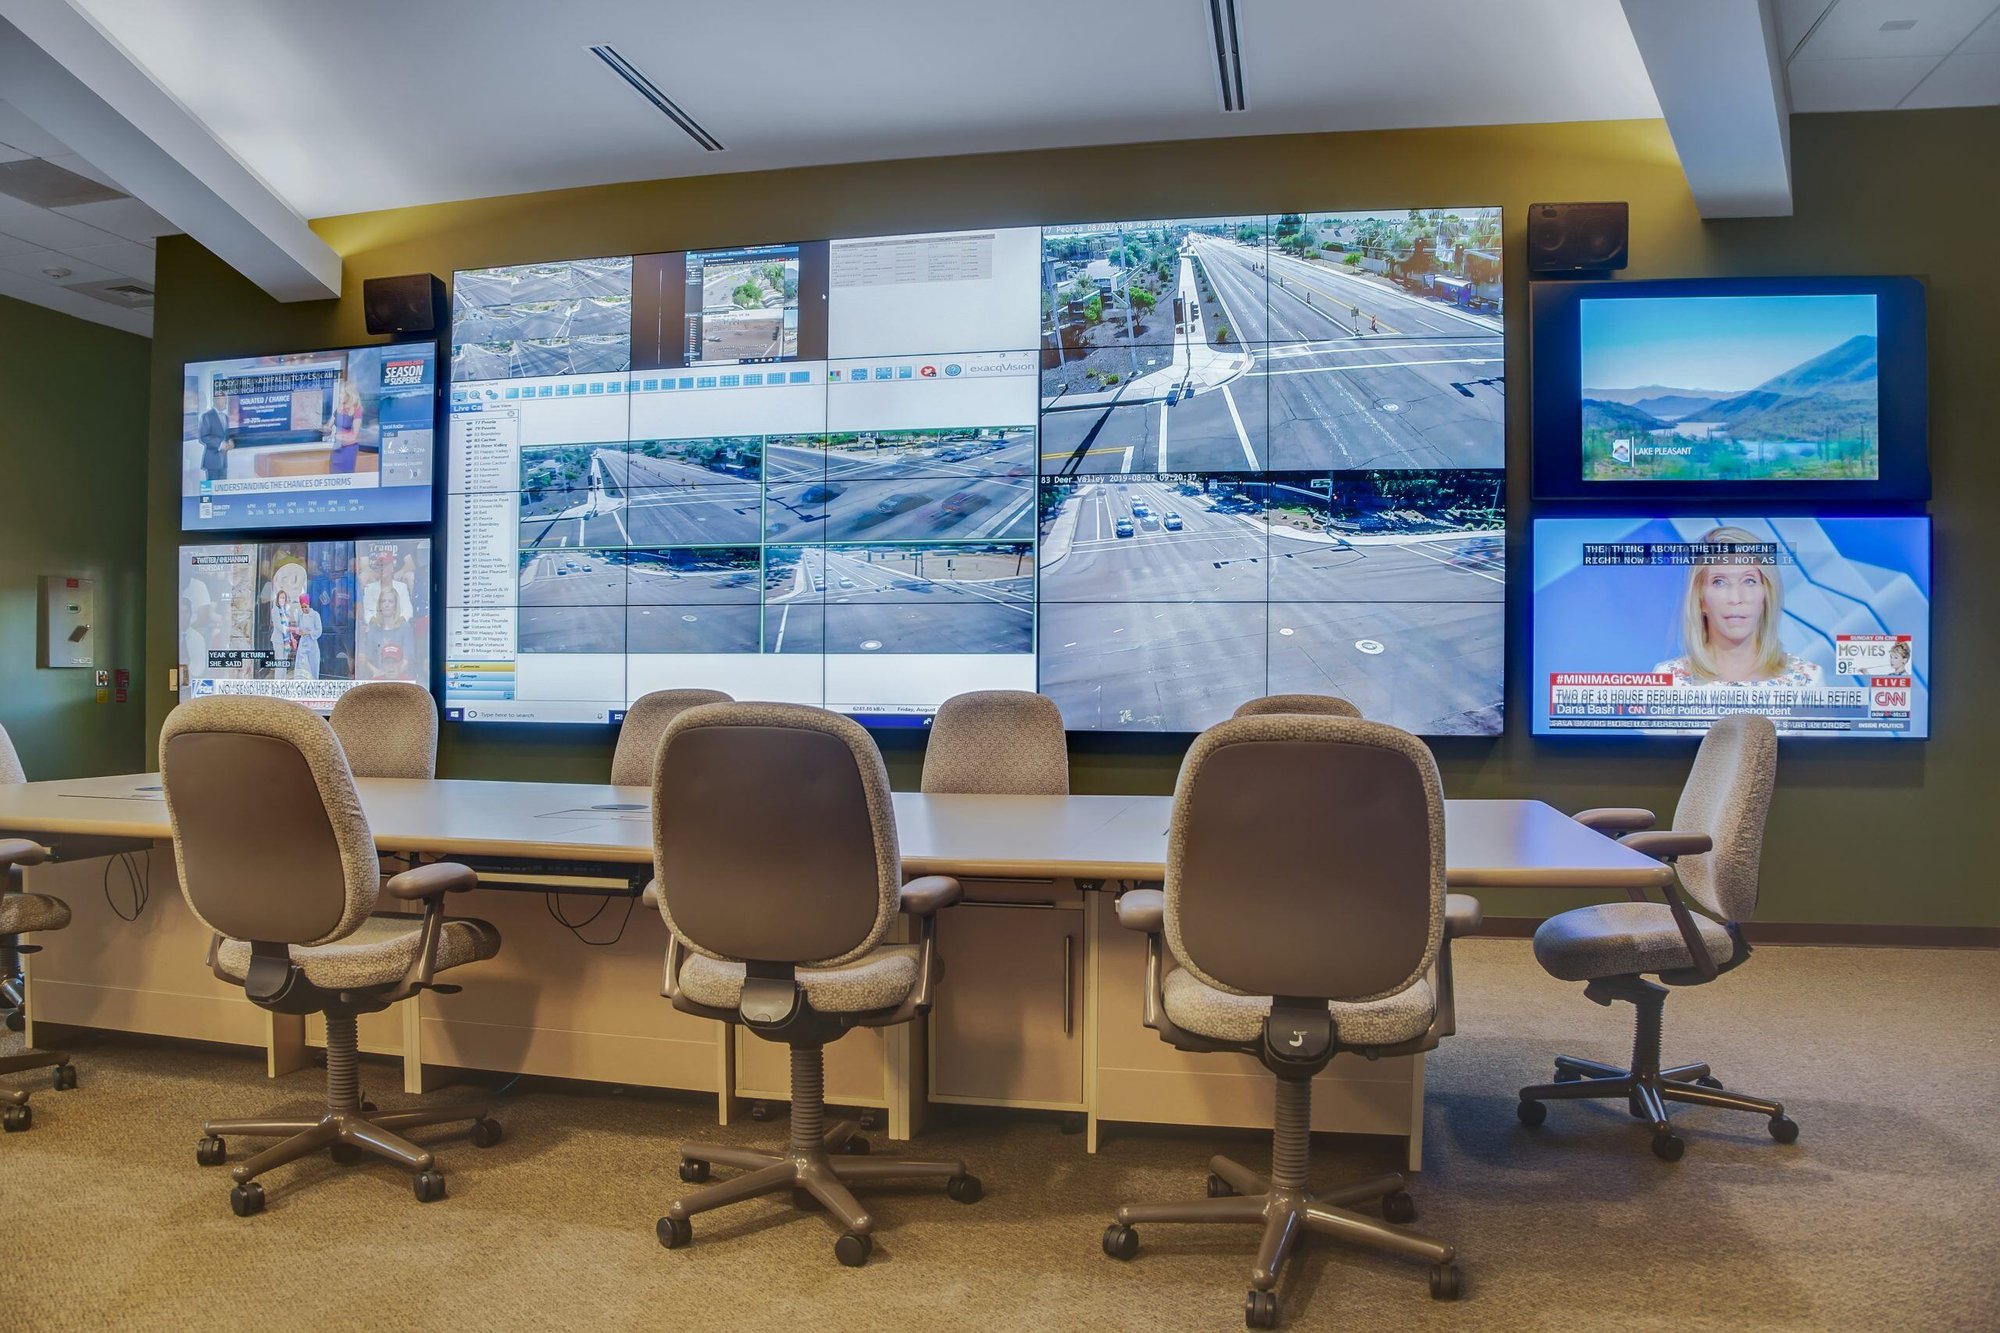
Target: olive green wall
pixel 73 487
pixel 1863 833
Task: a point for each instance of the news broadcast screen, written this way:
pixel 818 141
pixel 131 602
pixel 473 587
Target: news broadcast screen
pixel 1659 626
pixel 1150 468
pixel 304 620
pixel 309 439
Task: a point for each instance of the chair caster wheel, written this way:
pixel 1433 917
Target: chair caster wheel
pixel 211 1151
pixel 760 1111
pixel 486 1133
pixel 855 1147
pixel 16 1020
pixel 1218 1188
pixel 674 1232
pixel 63 1077
pixel 1260 1309
pixel 853 1249
pixel 428 1186
pixel 1784 1129
pixel 347 1154
pixel 694 1172
pixel 1445 1282
pixel 1121 1242
pixel 1400 1207
pixel 246 1200
pixel 1709 1081
pixel 964 1189
pixel 17 1118
pixel 1073 1123
pixel 1669 1147
pixel 1531 1113
pixel 869 1120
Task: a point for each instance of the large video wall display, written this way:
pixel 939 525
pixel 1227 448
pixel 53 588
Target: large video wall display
pixel 1152 469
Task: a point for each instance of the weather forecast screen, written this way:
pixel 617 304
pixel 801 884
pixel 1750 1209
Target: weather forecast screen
pixel 309 439
pixel 304 620
pixel 1659 626
pixel 1730 388
pixel 1151 468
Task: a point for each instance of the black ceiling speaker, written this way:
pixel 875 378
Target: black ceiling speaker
pixel 407 303
pixel 1576 238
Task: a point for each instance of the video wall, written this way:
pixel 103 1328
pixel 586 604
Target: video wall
pixel 1662 625
pixel 1151 468
pixel 309 439
pixel 304 620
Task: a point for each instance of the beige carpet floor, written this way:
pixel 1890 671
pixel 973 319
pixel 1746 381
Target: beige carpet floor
pixel 1886 1213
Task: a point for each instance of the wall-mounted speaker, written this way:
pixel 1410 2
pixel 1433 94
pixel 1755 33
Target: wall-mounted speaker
pixel 407 303
pixel 1576 238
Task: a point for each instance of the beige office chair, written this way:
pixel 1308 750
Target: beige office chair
pixel 1325 705
pixel 22 913
pixel 276 857
pixel 784 934
pixel 1304 908
pixel 1713 847
pixel 389 729
pixel 645 722
pixel 997 743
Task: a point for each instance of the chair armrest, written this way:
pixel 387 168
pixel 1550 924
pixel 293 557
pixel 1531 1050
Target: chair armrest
pixel 1143 910
pixel 929 893
pixel 432 881
pixel 1615 819
pixel 1462 915
pixel 1666 845
pixel 650 895
pixel 22 852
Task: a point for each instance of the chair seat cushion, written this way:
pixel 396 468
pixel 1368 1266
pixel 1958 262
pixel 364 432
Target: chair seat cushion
pixel 881 979
pixel 1622 939
pixel 1207 1012
pixel 378 953
pixel 21 912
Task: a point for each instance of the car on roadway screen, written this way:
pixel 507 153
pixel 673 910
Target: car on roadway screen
pixel 1172 521
pixel 1124 528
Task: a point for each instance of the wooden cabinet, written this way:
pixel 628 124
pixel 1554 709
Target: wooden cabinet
pixel 1007 1025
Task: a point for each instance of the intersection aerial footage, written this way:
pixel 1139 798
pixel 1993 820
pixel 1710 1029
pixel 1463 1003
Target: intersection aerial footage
pixel 961 598
pixel 1302 341
pixel 646 493
pixel 542 319
pixel 674 600
pixel 973 484
pixel 1168 600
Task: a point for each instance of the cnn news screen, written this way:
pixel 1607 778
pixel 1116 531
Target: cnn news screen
pixel 1659 626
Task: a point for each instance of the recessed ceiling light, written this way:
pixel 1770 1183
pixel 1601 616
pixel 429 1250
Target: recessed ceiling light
pixel 57 273
pixel 1899 25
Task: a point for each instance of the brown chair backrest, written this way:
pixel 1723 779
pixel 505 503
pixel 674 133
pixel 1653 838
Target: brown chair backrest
pixel 774 839
pixel 389 729
pixel 645 722
pixel 1727 796
pixel 10 760
pixel 269 836
pixel 1306 858
pixel 997 743
pixel 1324 705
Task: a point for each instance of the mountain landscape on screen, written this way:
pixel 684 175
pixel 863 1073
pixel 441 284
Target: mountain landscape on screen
pixel 1815 421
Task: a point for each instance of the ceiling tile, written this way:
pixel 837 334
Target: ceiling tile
pixel 1795 20
pixel 74 162
pixel 17 131
pixel 34 264
pixel 9 154
pixel 46 228
pixel 14 245
pixel 1853 30
pixel 128 259
pixel 123 217
pixel 1986 41
pixel 1854 85
pixel 1966 79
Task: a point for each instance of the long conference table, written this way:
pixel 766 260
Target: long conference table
pixel 1040 1007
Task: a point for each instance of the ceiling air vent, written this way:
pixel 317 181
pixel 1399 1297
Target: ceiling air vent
pixel 37 181
pixel 666 105
pixel 121 292
pixel 1228 54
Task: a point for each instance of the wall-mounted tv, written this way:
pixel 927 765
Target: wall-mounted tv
pixel 1658 626
pixel 304 620
pixel 1152 468
pixel 309 439
pixel 1786 388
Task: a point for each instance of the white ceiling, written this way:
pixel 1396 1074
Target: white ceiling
pixel 372 104
pixel 1840 57
pixel 44 252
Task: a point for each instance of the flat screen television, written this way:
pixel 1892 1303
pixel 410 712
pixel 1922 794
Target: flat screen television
pixel 1784 388
pixel 304 620
pixel 342 437
pixel 1652 626
pixel 1151 468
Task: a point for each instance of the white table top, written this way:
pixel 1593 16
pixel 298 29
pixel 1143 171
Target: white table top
pixel 1488 844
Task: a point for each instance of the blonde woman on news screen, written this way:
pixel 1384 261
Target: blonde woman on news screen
pixel 1729 626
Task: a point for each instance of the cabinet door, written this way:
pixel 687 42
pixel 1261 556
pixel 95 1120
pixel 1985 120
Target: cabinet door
pixel 1007 1024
